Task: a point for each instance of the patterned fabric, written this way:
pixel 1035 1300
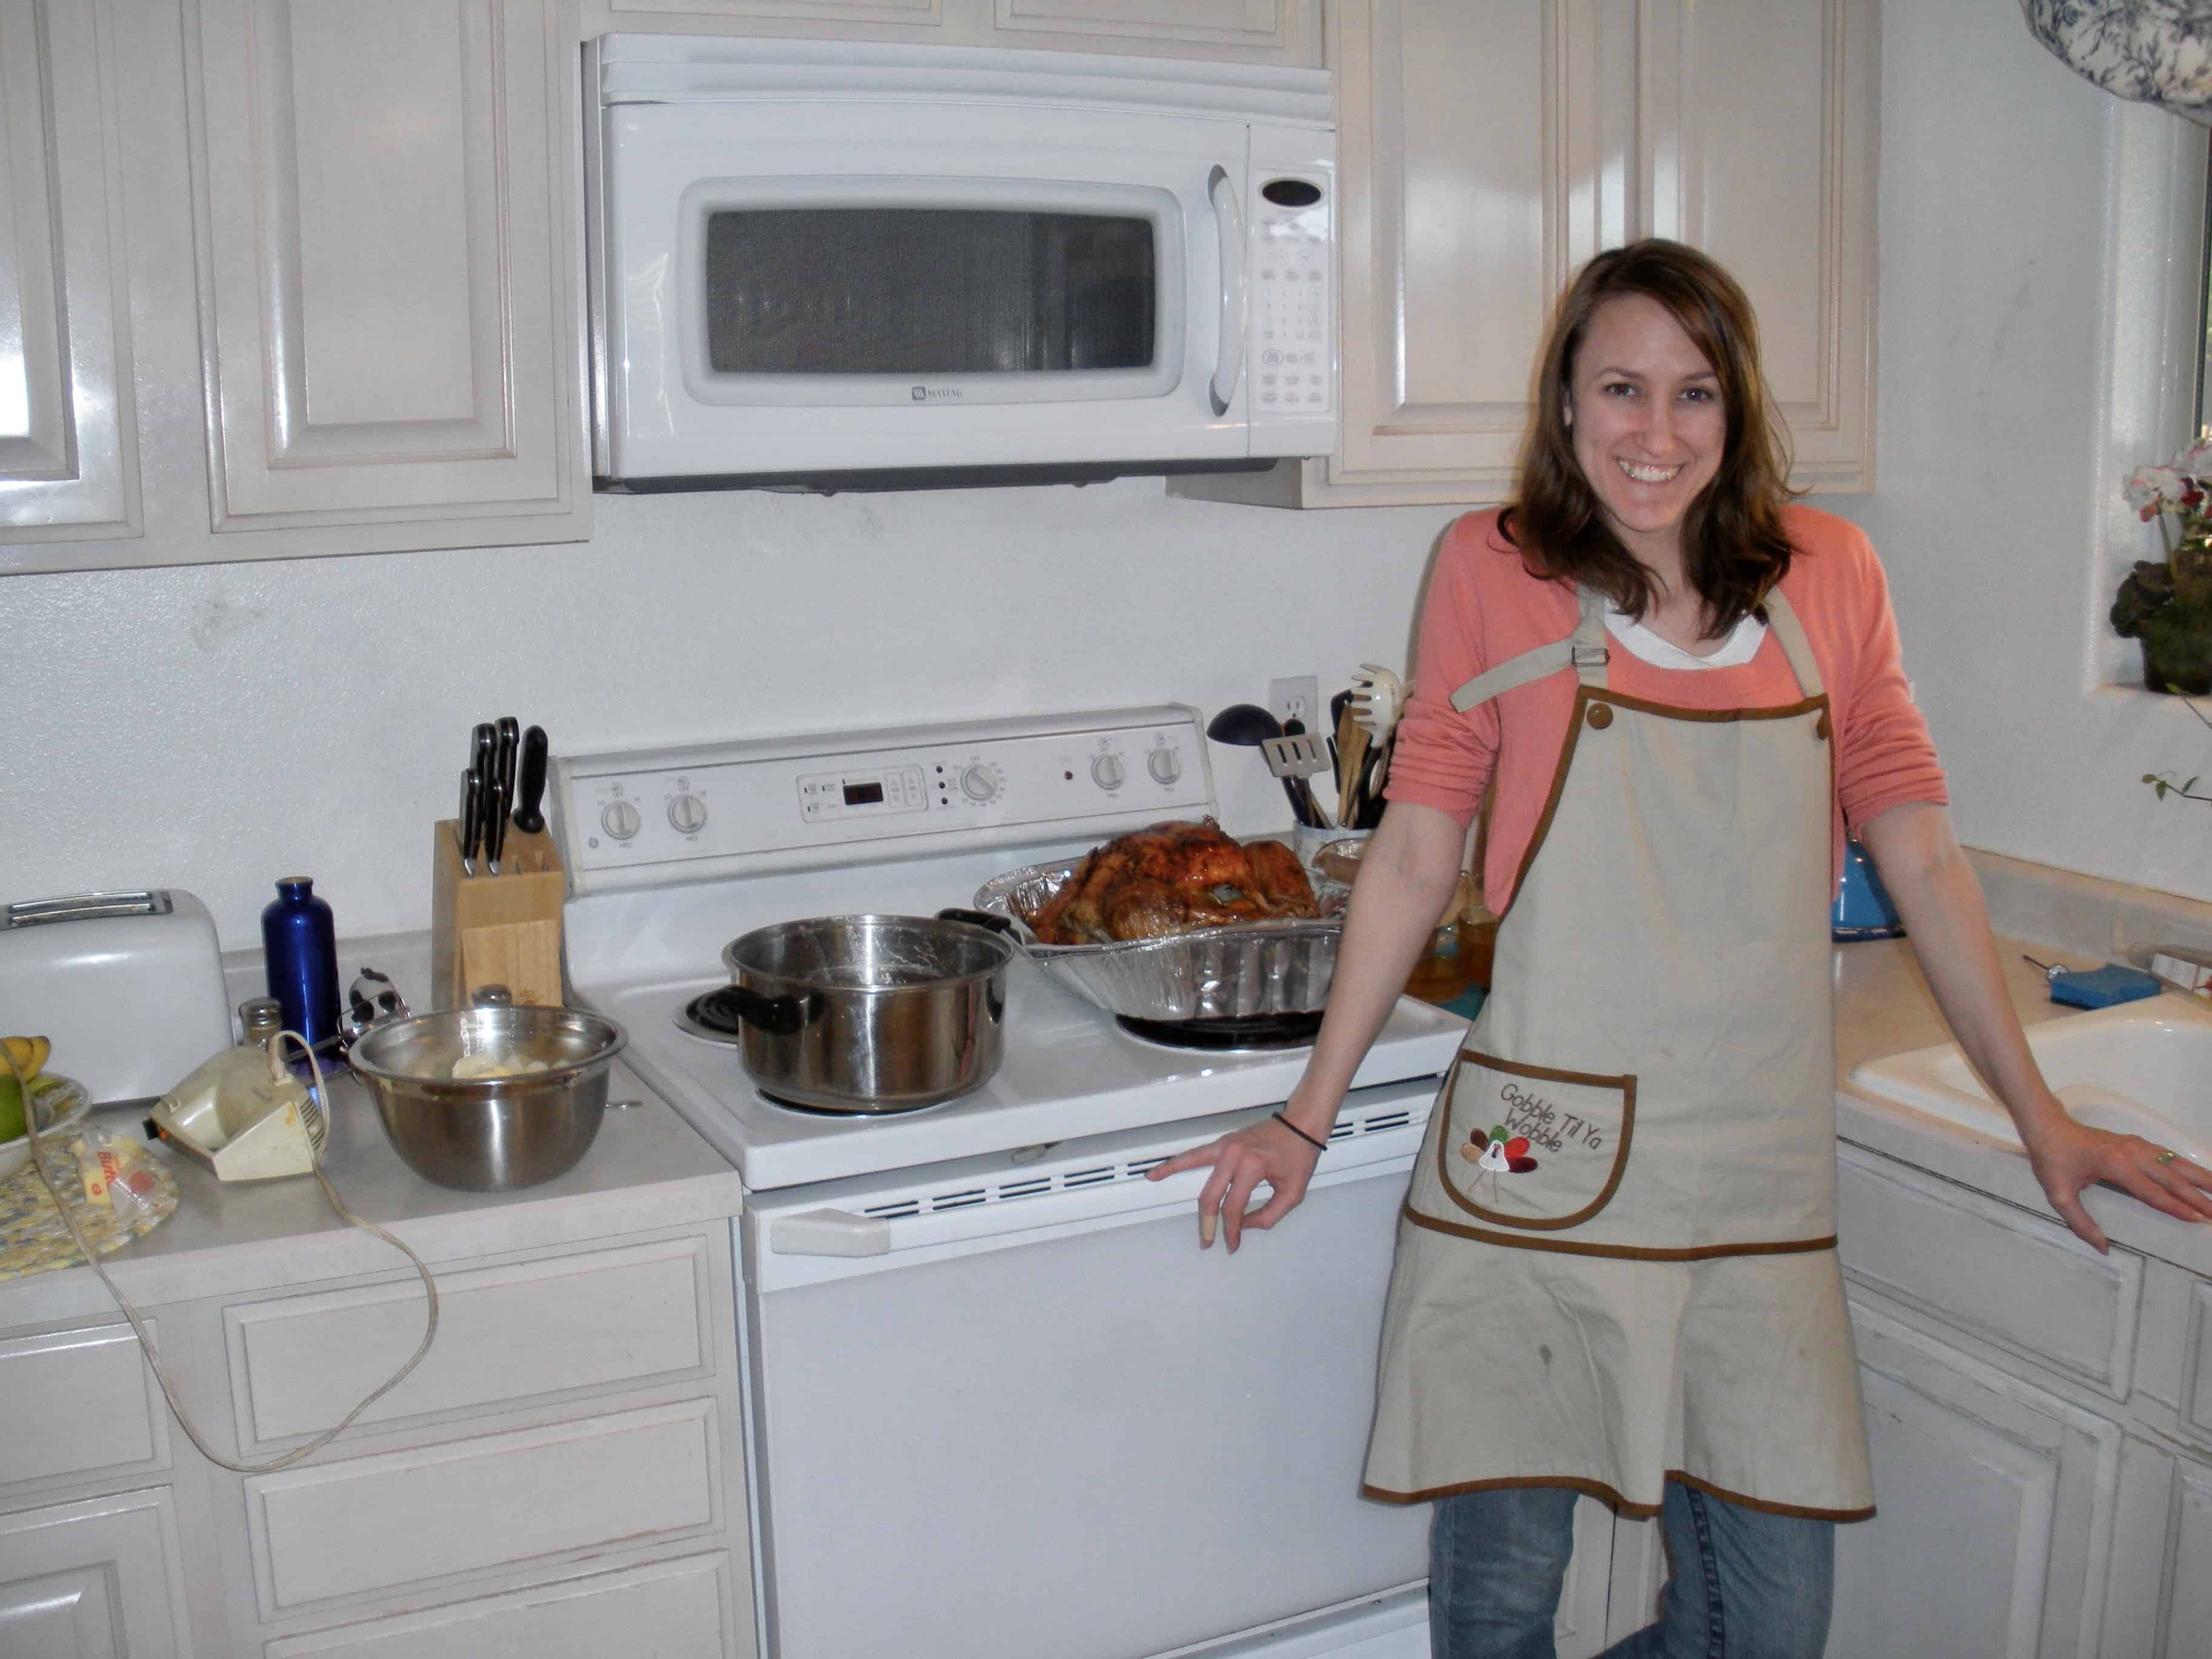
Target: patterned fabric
pixel 2156 52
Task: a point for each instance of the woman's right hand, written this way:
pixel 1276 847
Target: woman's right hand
pixel 1267 1152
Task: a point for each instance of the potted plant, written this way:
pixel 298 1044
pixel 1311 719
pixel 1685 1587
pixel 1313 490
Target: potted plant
pixel 2167 603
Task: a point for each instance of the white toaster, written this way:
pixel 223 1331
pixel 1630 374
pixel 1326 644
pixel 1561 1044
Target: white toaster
pixel 129 986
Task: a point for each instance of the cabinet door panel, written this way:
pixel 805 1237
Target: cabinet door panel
pixel 99 1408
pixel 1473 163
pixel 827 12
pixel 1990 1540
pixel 1265 23
pixel 505 1334
pixel 382 264
pixel 672 1610
pixel 375 1522
pixel 69 462
pixel 1770 168
pixel 2189 1587
pixel 94 1580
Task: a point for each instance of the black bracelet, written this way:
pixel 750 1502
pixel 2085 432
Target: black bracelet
pixel 1318 1145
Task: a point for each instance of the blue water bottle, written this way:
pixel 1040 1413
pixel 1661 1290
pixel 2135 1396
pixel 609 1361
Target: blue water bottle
pixel 300 946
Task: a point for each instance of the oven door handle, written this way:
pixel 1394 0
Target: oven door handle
pixel 830 1232
pixel 1229 351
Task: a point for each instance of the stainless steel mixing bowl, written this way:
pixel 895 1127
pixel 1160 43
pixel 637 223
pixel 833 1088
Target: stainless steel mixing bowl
pixel 488 1134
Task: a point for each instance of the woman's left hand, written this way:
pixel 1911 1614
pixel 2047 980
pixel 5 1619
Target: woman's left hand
pixel 2068 1157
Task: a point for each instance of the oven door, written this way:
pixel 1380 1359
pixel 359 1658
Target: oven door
pixel 797 287
pixel 1028 1416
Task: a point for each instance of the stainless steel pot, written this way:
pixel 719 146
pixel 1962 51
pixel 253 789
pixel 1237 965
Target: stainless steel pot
pixel 491 1133
pixel 866 1013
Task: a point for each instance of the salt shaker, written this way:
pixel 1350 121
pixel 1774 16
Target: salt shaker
pixel 299 944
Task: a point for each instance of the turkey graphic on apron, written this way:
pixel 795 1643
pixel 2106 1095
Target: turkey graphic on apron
pixel 1616 1262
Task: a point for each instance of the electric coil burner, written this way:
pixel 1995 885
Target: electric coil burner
pixel 1257 1032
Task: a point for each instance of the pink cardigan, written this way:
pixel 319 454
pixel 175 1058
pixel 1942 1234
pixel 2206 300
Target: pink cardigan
pixel 1484 608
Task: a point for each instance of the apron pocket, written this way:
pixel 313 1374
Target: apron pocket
pixel 1531 1146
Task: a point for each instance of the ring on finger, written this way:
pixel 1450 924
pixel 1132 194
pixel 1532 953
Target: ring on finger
pixel 2167 1155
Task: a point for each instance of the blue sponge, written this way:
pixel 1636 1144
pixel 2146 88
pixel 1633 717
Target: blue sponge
pixel 2100 987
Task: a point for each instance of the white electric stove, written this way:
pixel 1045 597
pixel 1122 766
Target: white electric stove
pixel 1001 1406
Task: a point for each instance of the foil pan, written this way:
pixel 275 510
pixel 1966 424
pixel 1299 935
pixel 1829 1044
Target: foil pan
pixel 1235 971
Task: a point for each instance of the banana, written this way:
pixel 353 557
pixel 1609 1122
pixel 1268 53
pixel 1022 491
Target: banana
pixel 28 1053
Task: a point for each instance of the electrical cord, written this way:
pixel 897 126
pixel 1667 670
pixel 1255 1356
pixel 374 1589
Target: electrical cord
pixel 146 1341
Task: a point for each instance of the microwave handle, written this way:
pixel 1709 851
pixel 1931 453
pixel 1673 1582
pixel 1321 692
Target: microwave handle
pixel 1229 225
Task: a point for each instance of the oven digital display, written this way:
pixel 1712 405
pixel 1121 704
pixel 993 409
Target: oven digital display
pixel 864 794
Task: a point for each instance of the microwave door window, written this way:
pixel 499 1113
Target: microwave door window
pixel 925 291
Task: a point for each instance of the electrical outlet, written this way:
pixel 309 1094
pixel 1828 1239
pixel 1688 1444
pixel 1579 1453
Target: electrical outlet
pixel 1295 699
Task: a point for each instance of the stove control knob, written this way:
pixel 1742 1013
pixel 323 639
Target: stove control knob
pixel 686 814
pixel 1108 771
pixel 978 784
pixel 1164 764
pixel 620 819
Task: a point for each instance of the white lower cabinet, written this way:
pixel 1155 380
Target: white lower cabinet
pixel 100 1578
pixel 563 1478
pixel 1994 1526
pixel 2028 1401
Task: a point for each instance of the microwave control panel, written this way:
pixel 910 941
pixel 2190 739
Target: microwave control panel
pixel 1293 311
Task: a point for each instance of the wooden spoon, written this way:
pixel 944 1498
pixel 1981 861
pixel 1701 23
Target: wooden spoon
pixel 1351 762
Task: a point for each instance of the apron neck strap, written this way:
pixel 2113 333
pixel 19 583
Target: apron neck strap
pixel 1585 651
pixel 1588 650
pixel 1790 633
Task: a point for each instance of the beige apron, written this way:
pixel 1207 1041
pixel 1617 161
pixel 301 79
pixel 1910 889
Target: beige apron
pixel 1617 1260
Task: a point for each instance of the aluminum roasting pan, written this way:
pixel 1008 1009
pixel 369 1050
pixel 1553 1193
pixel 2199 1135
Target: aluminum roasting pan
pixel 1234 971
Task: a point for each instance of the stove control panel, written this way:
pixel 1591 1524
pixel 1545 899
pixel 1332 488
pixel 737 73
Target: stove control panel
pixel 692 814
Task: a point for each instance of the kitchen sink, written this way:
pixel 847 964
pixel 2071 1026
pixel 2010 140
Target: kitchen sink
pixel 2142 1068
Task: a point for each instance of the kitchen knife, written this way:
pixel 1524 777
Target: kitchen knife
pixel 529 817
pixel 470 828
pixel 510 745
pixel 496 823
pixel 483 748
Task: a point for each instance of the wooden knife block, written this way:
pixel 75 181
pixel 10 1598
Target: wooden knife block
pixel 502 929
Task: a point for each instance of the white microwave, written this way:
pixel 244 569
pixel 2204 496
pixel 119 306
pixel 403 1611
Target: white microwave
pixel 826 265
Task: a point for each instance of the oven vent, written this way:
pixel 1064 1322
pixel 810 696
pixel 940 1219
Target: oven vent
pixel 1096 1174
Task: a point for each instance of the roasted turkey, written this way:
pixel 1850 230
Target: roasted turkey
pixel 1171 878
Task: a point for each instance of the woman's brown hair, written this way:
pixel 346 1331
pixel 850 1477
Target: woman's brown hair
pixel 1734 546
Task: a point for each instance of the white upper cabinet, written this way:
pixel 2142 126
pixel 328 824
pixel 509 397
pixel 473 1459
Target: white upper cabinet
pixel 1253 31
pixel 1763 153
pixel 69 462
pixel 1487 148
pixel 384 263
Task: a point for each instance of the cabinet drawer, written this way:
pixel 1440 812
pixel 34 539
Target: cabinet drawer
pixel 100 1577
pixel 506 1332
pixel 96 1404
pixel 670 1609
pixel 1989 1270
pixel 375 1522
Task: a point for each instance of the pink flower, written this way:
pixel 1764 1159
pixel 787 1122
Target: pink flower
pixel 2197 461
pixel 2150 488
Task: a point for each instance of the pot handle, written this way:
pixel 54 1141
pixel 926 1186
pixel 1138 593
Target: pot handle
pixel 778 1015
pixel 371 1000
pixel 997 924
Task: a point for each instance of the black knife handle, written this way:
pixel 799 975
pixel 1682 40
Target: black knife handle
pixel 471 826
pixel 529 813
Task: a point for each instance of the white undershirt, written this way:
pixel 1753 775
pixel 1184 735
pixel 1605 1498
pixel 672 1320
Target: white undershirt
pixel 1739 648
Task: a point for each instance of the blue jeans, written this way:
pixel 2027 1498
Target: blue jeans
pixel 1742 1584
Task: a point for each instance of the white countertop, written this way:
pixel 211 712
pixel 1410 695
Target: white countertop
pixel 1884 1006
pixel 645 1170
